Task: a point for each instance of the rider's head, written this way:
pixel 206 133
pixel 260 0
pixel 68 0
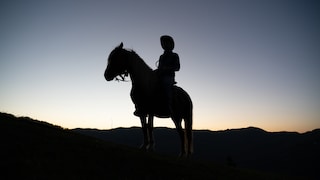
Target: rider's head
pixel 167 42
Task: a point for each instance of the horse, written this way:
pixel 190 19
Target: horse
pixel 146 95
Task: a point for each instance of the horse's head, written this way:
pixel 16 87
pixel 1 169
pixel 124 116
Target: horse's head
pixel 116 63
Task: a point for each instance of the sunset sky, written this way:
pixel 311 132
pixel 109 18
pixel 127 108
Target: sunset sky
pixel 243 62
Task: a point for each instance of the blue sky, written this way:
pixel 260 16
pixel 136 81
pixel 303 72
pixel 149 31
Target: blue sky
pixel 244 63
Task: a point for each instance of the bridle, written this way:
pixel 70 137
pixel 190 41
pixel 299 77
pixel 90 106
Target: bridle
pixel 122 77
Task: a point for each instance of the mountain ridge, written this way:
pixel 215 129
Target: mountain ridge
pixel 290 152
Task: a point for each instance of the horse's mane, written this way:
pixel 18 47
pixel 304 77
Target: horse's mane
pixel 138 58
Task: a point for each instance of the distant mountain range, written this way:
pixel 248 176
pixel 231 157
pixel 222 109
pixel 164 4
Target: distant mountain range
pixel 277 152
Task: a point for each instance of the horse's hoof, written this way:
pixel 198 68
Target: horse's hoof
pixel 143 147
pixel 150 148
pixel 183 155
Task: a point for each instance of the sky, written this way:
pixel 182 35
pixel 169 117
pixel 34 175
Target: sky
pixel 243 62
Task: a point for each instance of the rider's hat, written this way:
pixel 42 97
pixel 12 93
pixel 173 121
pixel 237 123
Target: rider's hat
pixel 167 42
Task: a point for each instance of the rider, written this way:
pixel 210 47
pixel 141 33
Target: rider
pixel 168 64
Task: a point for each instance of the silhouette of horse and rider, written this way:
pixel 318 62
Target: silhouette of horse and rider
pixel 154 92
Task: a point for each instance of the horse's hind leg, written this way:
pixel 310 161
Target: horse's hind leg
pixel 189 136
pixel 177 122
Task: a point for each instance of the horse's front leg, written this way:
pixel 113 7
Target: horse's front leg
pixel 150 133
pixel 144 128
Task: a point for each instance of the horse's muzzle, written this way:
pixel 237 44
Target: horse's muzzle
pixel 107 76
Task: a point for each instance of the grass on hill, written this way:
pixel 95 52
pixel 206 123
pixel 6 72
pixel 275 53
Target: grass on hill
pixel 34 149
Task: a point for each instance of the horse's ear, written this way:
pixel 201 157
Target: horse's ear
pixel 121 45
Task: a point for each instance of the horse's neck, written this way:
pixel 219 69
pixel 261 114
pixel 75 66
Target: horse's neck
pixel 140 72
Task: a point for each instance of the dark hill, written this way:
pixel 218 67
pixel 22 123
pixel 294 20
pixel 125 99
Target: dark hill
pixel 33 149
pixel 288 153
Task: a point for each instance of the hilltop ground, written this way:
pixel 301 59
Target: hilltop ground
pixel 38 150
pixel 291 153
